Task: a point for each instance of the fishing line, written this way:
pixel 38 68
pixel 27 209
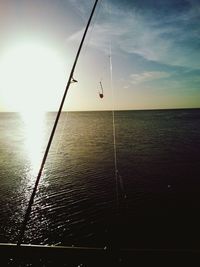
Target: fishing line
pixel 92 28
pixel 113 119
pixel 114 128
pixel 120 191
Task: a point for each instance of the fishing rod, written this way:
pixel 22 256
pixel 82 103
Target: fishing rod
pixel 70 80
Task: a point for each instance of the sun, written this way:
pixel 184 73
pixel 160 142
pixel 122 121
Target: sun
pixel 32 77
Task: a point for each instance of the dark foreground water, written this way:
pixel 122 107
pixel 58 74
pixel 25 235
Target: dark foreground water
pixel 158 155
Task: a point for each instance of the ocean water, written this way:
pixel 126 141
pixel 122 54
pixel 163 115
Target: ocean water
pixel 158 201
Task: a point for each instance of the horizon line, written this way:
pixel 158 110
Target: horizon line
pixel 102 110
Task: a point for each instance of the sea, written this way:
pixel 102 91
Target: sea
pixel 149 199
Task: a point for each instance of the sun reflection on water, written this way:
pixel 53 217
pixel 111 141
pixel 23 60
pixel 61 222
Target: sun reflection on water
pixel 34 133
pixel 34 142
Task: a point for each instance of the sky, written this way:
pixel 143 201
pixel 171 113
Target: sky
pixel 145 53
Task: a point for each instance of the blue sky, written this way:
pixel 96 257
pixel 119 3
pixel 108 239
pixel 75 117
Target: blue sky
pixel 155 48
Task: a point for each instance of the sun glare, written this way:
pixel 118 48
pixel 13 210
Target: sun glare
pixel 32 77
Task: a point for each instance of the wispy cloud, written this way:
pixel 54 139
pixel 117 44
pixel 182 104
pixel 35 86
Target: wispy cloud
pixel 148 76
pixel 100 36
pixel 173 39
